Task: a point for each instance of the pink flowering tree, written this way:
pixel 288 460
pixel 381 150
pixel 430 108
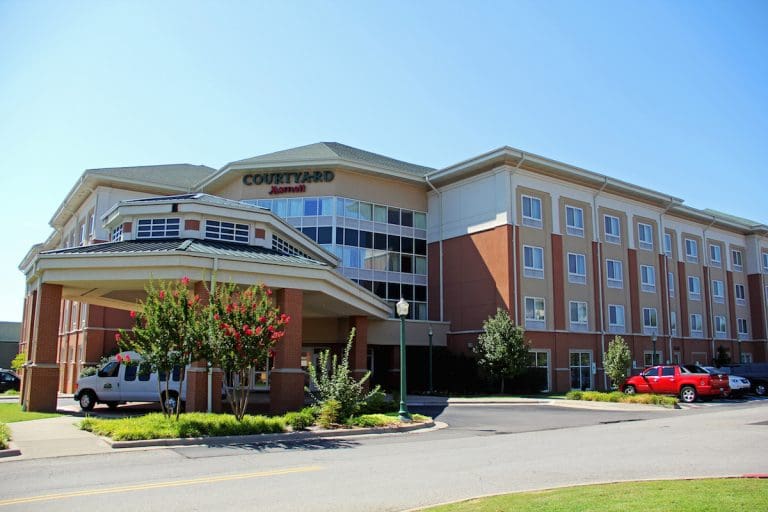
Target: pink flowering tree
pixel 168 335
pixel 243 326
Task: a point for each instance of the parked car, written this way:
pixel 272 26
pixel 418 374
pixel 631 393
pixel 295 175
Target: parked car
pixel 117 383
pixel 739 385
pixel 8 381
pixel 689 382
pixel 757 373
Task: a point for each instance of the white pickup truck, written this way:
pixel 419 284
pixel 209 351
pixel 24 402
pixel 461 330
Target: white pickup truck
pixel 116 383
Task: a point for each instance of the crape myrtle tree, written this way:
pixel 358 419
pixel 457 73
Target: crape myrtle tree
pixel 617 360
pixel 168 334
pixel 501 349
pixel 242 328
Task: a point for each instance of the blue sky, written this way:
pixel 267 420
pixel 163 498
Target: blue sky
pixel 668 95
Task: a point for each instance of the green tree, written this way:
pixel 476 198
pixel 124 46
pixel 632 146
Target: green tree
pixel 501 349
pixel 18 361
pixel 617 360
pixel 167 334
pixel 334 382
pixel 242 328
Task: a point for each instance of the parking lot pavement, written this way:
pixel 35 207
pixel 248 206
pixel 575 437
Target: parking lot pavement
pixel 724 402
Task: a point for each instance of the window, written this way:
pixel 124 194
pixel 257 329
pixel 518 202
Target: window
pixel 741 299
pixel 532 212
pixel 650 321
pixel 540 365
pixel 668 244
pixel 746 357
pixel 534 313
pixel 736 260
pixel 651 359
pixel 647 278
pixel 714 255
pixel 615 318
pixel 578 315
pixel 765 262
pixel 673 323
pixel 581 370
pixel 718 294
pixel 671 283
pixel 645 236
pixel 83 233
pixel 691 250
pixel 158 228
pixel 720 331
pixel 533 262
pixel 117 234
pixel 694 288
pixel 697 329
pixel 577 268
pixel 227 231
pixel 574 221
pixel 612 229
pixel 741 324
pixel 614 275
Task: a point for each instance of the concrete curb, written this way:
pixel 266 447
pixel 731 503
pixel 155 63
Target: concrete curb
pixel 11 451
pixel 266 438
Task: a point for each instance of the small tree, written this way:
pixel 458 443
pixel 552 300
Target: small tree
pixel 617 360
pixel 722 358
pixel 335 383
pixel 18 361
pixel 501 349
pixel 243 326
pixel 167 333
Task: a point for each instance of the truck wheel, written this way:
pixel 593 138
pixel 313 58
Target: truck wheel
pixel 760 389
pixel 688 394
pixel 630 390
pixel 87 400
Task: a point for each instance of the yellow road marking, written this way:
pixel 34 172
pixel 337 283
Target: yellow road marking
pixel 158 485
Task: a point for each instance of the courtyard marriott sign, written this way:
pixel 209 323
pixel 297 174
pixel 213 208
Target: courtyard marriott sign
pixel 289 181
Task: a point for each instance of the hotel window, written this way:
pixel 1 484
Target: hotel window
pixel 158 228
pixel 736 260
pixel 577 268
pixel 227 231
pixel 718 294
pixel 574 221
pixel 578 315
pixel 746 358
pixel 671 283
pixel 645 236
pixel 532 212
pixel 673 323
pixel 720 330
pixel 650 321
pixel 714 255
pixel 615 318
pixel 741 299
pixel 533 262
pixel 117 234
pixel 741 324
pixel 668 244
pixel 647 278
pixel 83 233
pixel 691 250
pixel 612 229
pixel 534 313
pixel 694 288
pixel 765 262
pixel 613 274
pixel 697 329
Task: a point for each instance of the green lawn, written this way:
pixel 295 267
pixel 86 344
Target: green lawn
pixel 710 495
pixel 11 413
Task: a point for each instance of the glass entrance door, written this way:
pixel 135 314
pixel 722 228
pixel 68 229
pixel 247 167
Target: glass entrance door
pixel 581 370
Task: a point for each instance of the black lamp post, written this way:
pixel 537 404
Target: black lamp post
pixel 430 359
pixel 401 308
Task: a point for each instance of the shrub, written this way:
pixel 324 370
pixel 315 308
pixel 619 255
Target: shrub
pixel 18 361
pixel 378 403
pixel 5 436
pixel 617 396
pixel 330 413
pixel 381 420
pixel 301 420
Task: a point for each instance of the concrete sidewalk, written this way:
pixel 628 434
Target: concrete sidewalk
pixel 53 437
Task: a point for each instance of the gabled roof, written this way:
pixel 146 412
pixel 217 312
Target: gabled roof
pixel 175 175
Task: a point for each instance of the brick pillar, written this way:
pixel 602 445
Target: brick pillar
pixel 287 378
pixel 197 375
pixel 41 375
pixel 359 355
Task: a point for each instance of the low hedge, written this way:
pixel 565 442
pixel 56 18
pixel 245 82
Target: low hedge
pixel 382 420
pixel 5 436
pixel 618 396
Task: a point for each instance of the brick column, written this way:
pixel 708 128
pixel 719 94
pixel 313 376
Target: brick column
pixel 41 374
pixel 359 354
pixel 287 378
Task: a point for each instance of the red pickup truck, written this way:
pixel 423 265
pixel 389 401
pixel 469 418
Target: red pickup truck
pixel 689 382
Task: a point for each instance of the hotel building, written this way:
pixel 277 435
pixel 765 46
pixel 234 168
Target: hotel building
pixel 341 234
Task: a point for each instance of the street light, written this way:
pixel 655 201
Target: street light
pixel 653 340
pixel 430 359
pixel 401 308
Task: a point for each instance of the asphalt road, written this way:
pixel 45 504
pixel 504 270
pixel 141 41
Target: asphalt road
pixel 487 449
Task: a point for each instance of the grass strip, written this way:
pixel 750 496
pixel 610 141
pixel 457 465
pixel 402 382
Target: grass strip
pixel 707 495
pixel 11 413
pixel 618 396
